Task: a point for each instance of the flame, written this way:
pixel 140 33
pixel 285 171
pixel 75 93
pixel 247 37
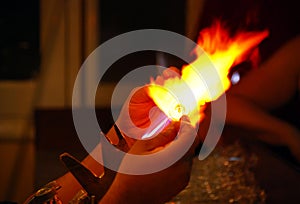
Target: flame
pixel 206 78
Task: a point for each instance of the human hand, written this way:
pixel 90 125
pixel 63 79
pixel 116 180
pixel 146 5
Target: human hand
pixel 139 113
pixel 161 186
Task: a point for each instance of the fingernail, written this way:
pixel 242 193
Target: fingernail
pixel 185 118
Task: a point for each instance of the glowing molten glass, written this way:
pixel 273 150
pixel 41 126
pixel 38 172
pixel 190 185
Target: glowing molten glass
pixel 207 76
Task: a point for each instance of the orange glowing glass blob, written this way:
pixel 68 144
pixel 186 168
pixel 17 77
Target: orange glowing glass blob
pixel 207 76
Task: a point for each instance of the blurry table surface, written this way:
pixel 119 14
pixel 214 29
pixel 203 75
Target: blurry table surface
pixel 277 171
pixel 278 174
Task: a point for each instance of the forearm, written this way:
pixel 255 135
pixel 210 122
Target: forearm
pixel 245 114
pixel 114 195
pixel 70 185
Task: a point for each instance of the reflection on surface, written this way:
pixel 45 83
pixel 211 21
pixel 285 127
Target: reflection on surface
pixel 226 176
pixel 242 170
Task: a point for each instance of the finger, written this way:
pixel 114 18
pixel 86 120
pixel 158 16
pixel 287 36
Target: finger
pixel 159 80
pixel 188 134
pixel 185 119
pixel 167 135
pixel 171 73
pixel 180 129
pixel 163 138
pixel 140 95
pixel 174 69
pixel 140 105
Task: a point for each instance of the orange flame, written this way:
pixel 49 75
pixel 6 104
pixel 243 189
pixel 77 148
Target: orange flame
pixel 206 77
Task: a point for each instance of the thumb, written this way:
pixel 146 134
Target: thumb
pixel 188 134
pixel 167 135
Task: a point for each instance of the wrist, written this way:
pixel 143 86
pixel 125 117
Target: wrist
pixel 91 161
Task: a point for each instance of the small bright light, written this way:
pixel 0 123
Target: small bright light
pixel 177 112
pixel 235 78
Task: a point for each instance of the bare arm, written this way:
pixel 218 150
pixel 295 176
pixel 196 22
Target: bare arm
pixel 276 81
pixel 70 185
pixel 264 89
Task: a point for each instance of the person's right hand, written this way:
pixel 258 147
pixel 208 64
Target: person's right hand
pixel 161 186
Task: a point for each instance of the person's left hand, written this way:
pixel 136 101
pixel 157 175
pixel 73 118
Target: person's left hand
pixel 140 112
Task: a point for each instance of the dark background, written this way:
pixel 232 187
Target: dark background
pixel 125 16
pixel 19 39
